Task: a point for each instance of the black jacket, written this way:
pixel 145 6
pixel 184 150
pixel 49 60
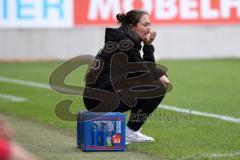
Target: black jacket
pixel 113 36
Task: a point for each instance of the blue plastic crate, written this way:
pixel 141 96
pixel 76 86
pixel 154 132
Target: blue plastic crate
pixel 98 131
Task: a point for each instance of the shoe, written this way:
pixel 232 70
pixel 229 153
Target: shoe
pixel 136 136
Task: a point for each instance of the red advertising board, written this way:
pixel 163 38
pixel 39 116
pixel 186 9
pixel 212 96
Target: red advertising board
pixel 162 12
pixel 72 13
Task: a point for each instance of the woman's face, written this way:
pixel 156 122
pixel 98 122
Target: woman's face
pixel 143 27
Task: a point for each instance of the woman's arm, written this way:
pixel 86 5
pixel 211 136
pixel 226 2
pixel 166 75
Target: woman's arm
pixel 148 51
pixel 148 55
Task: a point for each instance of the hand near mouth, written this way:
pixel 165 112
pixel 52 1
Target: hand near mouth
pixel 149 37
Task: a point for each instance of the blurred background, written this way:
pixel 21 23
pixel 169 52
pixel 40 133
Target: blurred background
pixel 62 29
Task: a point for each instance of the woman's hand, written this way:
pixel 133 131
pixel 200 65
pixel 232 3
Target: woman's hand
pixel 165 80
pixel 150 37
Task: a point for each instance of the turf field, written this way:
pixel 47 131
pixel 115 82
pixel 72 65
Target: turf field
pixel 208 86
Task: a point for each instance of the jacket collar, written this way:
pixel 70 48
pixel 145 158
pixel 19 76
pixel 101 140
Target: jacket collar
pixel 123 32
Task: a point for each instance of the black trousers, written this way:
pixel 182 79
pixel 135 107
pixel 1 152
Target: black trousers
pixel 139 113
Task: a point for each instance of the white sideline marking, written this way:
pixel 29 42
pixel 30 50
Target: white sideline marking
pixel 25 83
pixel 213 155
pixel 217 116
pixel 172 108
pixel 216 155
pixel 12 98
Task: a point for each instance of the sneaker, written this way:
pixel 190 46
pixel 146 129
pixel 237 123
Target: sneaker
pixel 136 136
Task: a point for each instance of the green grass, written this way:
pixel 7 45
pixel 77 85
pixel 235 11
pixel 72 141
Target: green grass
pixel 204 85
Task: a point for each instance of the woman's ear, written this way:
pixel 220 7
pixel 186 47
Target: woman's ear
pixel 132 27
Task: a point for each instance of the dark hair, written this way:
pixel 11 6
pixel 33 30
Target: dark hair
pixel 132 17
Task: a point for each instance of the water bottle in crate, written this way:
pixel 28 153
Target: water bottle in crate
pixel 98 131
